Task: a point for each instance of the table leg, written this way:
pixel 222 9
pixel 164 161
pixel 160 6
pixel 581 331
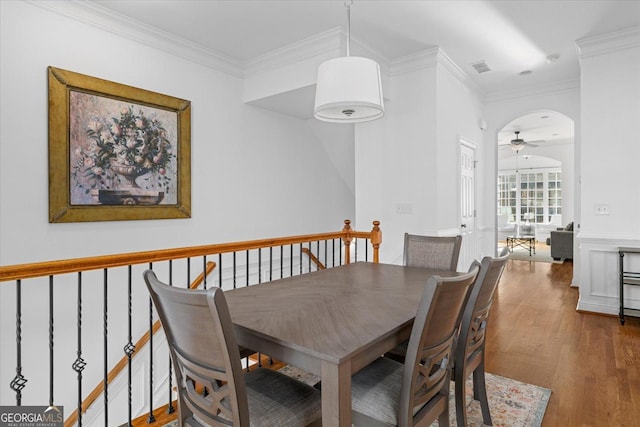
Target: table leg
pixel 336 394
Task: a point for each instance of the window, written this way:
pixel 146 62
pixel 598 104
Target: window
pixel 507 196
pixel 531 196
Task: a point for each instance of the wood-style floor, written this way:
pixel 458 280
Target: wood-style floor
pixel 590 362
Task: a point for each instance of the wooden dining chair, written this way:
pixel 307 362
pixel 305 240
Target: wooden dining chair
pixel 416 393
pixel 205 354
pixel 437 252
pixel 469 352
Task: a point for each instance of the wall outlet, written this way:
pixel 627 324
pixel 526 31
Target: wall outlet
pixel 404 208
pixel 601 209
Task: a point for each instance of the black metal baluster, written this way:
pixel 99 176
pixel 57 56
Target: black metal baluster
pixel 79 363
pixel 281 261
pixel 105 347
pixel 188 271
pixel 333 252
pixel 300 258
pixel 170 408
pixel 51 341
pixel 234 270
pixel 259 281
pixel 19 382
pixel 270 263
pixel 246 268
pixel 355 245
pixel 366 249
pixel 204 271
pixel 290 260
pixel 151 417
pixel 326 246
pixel 259 265
pixel 220 270
pixel 129 348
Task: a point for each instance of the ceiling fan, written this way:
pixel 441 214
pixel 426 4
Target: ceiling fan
pixel 518 143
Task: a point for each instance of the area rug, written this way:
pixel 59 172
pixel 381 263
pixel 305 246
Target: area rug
pixel 543 254
pixel 512 403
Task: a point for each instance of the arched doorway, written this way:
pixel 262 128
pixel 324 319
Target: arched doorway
pixel 536 174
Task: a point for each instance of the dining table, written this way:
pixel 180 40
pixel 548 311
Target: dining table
pixel 331 322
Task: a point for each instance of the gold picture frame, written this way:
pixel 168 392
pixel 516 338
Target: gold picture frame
pixel 116 152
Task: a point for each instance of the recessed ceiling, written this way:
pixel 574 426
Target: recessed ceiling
pixel 510 36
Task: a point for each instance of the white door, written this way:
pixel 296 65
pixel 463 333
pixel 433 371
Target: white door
pixel 467 203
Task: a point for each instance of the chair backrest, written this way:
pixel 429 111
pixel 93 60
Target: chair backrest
pixel 204 351
pixel 426 371
pixel 437 252
pixel 476 312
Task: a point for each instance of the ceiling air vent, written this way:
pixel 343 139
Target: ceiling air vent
pixel 481 67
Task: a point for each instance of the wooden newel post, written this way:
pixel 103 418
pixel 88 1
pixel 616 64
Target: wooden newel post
pixel 346 239
pixel 376 239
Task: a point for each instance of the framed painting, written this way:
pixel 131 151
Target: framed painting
pixel 116 152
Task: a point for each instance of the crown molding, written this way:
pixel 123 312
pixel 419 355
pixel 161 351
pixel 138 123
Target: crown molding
pixel 331 43
pixel 459 74
pixel 427 58
pixel 561 86
pixel 430 58
pixel 100 17
pixel 321 44
pixel 608 43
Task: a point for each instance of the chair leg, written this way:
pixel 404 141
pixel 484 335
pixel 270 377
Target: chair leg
pixel 461 402
pixel 480 393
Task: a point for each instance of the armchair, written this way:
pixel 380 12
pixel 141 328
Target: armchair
pixel 562 243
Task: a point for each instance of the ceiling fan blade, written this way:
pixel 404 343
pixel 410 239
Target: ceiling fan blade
pixel 532 145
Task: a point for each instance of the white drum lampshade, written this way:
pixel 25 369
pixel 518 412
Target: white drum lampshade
pixel 348 90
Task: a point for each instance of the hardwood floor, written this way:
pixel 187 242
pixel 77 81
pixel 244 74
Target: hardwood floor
pixel 590 362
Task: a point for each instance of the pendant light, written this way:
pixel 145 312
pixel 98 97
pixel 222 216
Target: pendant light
pixel 348 89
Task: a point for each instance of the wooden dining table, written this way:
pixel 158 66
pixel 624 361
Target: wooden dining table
pixel 331 322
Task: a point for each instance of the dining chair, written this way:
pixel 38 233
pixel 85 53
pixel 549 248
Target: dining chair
pixel 437 252
pixel 204 351
pixel 416 393
pixel 469 349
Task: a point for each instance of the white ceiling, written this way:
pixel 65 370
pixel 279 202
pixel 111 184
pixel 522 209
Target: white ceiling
pixel 511 36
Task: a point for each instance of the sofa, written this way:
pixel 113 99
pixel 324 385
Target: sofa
pixel 561 241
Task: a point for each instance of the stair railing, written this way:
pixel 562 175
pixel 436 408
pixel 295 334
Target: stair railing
pixel 43 295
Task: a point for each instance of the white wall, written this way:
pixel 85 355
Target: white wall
pixel 610 104
pixel 255 174
pixel 410 157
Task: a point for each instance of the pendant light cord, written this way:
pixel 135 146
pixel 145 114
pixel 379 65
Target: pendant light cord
pixel 347 4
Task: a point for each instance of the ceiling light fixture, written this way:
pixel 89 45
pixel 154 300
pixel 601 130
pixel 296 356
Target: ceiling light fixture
pixel 349 88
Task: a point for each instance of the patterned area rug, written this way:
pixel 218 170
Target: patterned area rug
pixel 512 403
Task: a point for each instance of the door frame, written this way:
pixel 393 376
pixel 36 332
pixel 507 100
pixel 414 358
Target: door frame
pixel 462 141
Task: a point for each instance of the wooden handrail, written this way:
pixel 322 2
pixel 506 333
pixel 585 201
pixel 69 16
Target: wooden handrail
pixel 119 367
pixel 50 268
pixel 313 258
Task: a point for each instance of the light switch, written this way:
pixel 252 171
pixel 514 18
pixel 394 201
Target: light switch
pixel 601 209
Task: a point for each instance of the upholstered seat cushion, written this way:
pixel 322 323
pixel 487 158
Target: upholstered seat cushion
pixel 278 400
pixel 375 390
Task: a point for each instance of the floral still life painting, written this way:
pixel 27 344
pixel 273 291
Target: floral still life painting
pixel 116 152
pixel 121 153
